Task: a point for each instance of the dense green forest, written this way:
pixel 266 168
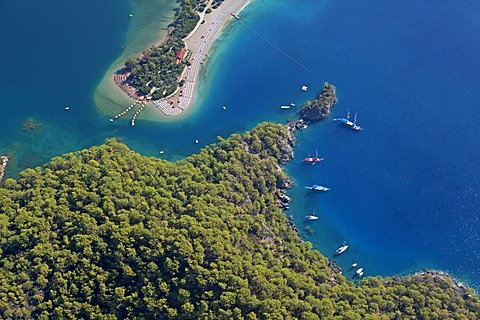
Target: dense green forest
pixel 105 233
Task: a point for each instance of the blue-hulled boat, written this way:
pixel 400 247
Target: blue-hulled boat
pixel 346 121
pixel 317 187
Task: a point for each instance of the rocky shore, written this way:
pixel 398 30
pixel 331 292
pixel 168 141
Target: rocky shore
pixel 459 287
pixel 296 124
pixel 3 164
pixel 319 108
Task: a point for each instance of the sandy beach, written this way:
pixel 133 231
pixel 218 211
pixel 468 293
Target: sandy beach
pixel 111 99
pixel 147 27
pixel 199 43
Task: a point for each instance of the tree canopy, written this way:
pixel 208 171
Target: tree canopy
pixel 319 108
pixel 106 233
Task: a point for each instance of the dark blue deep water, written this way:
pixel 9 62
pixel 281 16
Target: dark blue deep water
pixel 405 191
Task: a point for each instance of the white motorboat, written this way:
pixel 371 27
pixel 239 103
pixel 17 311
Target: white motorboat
pixel 342 249
pixel 359 272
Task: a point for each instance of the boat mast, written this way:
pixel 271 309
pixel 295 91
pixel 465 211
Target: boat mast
pixel 355 119
pixel 348 114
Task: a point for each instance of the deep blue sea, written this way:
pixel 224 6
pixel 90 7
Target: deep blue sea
pixel 404 192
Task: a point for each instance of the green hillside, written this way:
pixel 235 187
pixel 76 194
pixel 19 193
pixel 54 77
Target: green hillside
pixel 105 233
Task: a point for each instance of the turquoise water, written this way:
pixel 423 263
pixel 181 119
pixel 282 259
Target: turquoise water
pixel 53 55
pixel 404 191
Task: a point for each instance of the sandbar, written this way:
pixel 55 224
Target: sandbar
pixel 198 44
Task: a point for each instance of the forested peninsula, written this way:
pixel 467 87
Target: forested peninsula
pixel 105 233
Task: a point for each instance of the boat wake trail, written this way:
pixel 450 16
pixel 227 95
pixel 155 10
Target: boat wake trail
pixel 279 49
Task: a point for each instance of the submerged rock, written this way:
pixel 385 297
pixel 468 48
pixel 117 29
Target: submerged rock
pixel 31 125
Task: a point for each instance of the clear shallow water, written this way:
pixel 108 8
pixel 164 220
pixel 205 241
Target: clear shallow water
pixel 146 27
pixel 404 191
pixel 52 56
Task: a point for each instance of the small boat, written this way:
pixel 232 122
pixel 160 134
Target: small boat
pixel 354 265
pixel 304 88
pixel 224 108
pixel 317 187
pixel 293 104
pixel 342 249
pixel 311 217
pixel 130 15
pixel 162 152
pixel 284 107
pixel 196 141
pixel 67 108
pixel 359 272
pixel 111 120
pixel 313 160
pixel 346 121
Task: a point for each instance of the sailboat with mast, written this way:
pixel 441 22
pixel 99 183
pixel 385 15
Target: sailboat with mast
pixel 346 121
pixel 313 160
pixel 311 217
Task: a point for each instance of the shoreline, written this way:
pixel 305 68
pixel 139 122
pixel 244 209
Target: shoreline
pixel 283 201
pixel 108 98
pixel 154 109
pixel 3 165
pixel 457 285
pixel 199 44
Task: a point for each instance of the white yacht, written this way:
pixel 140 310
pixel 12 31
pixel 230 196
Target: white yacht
pixel 342 249
pixel 311 217
pixel 359 272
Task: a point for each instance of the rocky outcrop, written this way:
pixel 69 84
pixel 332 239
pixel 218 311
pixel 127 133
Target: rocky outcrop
pixel 293 125
pixel 319 108
pixel 3 165
pixel 333 266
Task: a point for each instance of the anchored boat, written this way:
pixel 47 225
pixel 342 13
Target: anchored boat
pixel 317 187
pixel 342 249
pixel 346 121
pixel 311 217
pixel 313 160
pixel 359 272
